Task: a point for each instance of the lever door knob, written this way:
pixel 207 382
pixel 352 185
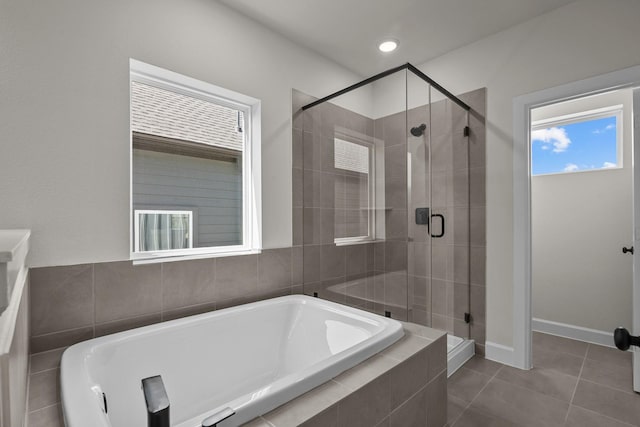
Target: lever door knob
pixel 626 249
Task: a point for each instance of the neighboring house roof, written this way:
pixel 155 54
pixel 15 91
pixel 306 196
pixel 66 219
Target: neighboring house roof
pixel 164 113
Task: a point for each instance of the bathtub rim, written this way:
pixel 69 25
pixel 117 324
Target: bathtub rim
pixel 73 371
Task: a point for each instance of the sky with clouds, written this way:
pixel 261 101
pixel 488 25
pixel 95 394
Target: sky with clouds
pixel 586 145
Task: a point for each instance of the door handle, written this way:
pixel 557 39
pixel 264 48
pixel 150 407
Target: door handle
pixel 442 229
pixel 626 249
pixel 624 339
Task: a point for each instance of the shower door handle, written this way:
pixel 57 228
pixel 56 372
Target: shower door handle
pixel 442 229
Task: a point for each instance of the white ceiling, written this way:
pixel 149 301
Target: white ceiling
pixel 348 31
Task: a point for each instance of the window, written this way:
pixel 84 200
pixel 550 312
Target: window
pixel 354 213
pixel 585 141
pixel 195 167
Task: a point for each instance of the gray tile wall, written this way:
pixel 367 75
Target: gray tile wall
pixel 74 303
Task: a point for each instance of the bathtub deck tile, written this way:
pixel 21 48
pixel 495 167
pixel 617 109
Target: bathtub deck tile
pixel 367 371
pixel 379 386
pixel 307 406
pixel 406 347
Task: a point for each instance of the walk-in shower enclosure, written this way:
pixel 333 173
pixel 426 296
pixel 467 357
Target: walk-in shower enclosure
pixel 382 201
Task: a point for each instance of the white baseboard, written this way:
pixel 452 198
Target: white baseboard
pixel 573 332
pixel 499 353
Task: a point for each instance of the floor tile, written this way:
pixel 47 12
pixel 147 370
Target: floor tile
pixel 616 375
pixel 543 381
pixel 465 384
pixel 482 365
pixel 475 418
pixel 608 401
pixel 455 408
pixel 521 406
pixel 563 363
pixel 579 417
pixel 564 345
pixel 607 354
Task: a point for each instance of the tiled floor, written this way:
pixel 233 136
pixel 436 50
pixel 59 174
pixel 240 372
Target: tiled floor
pixel 572 384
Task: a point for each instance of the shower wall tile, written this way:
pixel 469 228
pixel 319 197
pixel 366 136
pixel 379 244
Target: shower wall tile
pixel 296 149
pixel 297 188
pixel 477 265
pixel 477 226
pixel 332 261
pixel 393 129
pixel 311 226
pixel 356 260
pixel 312 181
pixel 297 226
pixel 477 183
pixel 395 161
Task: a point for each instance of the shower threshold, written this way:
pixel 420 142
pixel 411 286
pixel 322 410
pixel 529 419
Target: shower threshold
pixel 459 351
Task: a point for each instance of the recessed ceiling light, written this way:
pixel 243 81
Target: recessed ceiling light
pixel 388 46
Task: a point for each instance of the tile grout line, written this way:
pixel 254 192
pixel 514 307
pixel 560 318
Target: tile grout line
pixel 575 389
pixel 476 396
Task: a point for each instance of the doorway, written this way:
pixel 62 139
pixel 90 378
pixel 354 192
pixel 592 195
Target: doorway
pixel 521 353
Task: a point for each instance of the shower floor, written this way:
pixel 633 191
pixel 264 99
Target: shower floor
pixel 459 351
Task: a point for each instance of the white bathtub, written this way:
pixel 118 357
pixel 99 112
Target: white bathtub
pixel 251 358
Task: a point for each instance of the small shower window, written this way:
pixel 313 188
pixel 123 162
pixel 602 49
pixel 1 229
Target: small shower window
pixel 585 141
pixel 354 184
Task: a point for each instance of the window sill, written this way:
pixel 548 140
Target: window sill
pixel 358 242
pixel 142 259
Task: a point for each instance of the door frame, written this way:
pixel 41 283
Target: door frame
pixel 522 106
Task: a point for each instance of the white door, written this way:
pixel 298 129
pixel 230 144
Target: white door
pixel 635 328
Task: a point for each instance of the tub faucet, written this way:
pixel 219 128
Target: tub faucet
pixel 155 395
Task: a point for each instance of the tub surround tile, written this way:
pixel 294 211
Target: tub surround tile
pixel 308 405
pixel 187 283
pixel 188 311
pixel 51 416
pixel 123 290
pixel 44 389
pixel 46 360
pixel 63 297
pixel 370 405
pixel 412 413
pixel 102 329
pixel 55 340
pixel 236 276
pixel 274 269
pixel 379 391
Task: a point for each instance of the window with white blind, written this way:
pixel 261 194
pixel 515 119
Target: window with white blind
pixel 195 167
pixel 354 213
